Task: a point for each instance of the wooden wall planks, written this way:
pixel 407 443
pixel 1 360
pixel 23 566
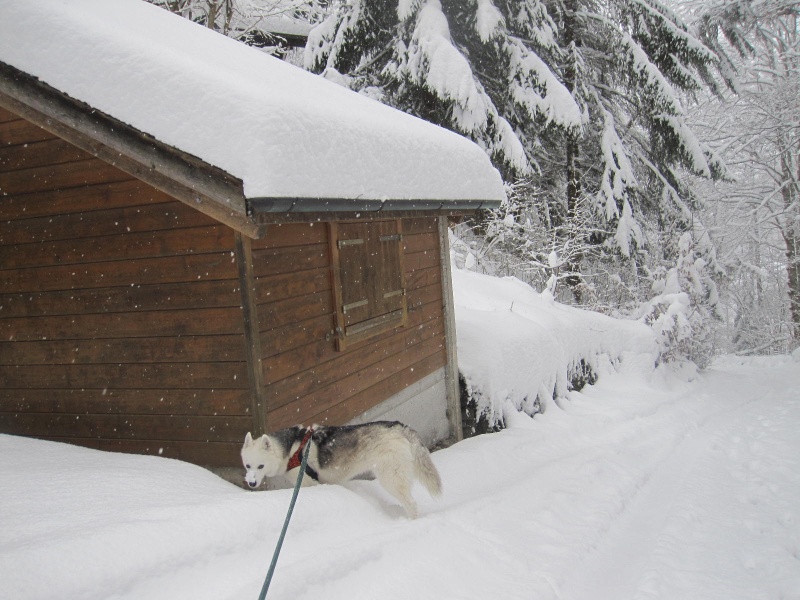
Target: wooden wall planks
pixel 121 323
pixel 121 310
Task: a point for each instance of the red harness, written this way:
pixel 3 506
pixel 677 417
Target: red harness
pixel 296 460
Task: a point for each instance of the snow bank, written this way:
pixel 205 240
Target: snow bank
pixel 517 345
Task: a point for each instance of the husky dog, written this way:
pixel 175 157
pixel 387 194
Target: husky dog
pixel 390 451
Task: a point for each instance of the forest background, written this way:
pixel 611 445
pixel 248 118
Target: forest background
pixel 649 149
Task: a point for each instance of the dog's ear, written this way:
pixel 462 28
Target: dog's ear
pixel 248 439
pixel 264 441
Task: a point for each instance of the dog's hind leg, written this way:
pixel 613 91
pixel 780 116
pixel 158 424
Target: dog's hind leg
pixel 398 483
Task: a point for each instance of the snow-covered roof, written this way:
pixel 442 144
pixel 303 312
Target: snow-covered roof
pixel 285 24
pixel 284 132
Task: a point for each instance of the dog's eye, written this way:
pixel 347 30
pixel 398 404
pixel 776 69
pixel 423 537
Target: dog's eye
pixel 247 466
pixel 260 466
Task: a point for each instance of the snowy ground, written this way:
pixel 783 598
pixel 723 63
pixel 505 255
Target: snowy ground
pixel 643 486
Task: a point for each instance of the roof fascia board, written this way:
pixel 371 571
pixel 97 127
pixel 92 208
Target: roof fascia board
pixel 325 217
pixel 289 206
pixel 204 187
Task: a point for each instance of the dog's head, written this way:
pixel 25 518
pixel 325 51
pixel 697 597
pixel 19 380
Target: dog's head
pixel 260 459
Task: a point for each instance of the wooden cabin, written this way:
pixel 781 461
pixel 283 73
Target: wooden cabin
pixel 155 300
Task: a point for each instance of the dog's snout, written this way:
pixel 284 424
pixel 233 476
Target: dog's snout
pixel 252 484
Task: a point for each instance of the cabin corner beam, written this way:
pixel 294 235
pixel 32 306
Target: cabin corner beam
pixel 448 309
pixel 252 339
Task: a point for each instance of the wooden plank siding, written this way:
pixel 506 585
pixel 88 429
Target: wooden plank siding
pixel 123 325
pixel 306 378
pixel 120 309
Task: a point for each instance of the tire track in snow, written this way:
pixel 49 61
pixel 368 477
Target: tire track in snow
pixel 685 501
pixel 613 571
pixel 736 534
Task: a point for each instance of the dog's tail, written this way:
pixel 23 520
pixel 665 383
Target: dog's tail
pixel 424 468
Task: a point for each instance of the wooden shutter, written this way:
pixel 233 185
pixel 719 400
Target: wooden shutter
pixel 369 283
pixel 390 291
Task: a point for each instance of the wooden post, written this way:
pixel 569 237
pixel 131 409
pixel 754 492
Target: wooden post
pixel 448 309
pixel 252 339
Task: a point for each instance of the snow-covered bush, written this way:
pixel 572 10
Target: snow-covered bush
pixel 520 348
pixel 683 308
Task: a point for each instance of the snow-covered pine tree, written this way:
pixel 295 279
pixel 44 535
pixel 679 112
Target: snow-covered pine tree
pixel 474 67
pixel 631 65
pixel 581 98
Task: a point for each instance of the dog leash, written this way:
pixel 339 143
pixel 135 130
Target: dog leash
pixel 277 552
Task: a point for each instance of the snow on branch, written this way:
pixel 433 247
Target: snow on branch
pixel 701 159
pixel 689 144
pixel 535 88
pixel 670 21
pixel 489 21
pixel 618 175
pixel 654 81
pixel 628 230
pixel 406 8
pixel 613 196
pixel 507 144
pixel 533 21
pixel 325 39
pixel 435 63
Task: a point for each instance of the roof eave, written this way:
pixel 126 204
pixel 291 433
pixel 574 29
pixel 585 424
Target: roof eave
pixel 262 208
pixel 187 178
pixel 293 210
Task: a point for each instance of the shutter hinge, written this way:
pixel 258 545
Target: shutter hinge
pixel 334 334
pixel 392 294
pixel 353 242
pixel 353 305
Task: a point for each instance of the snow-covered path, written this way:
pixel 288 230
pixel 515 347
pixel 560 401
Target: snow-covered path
pixel 716 516
pixel 642 487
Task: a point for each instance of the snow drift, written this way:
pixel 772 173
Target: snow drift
pixel 516 345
